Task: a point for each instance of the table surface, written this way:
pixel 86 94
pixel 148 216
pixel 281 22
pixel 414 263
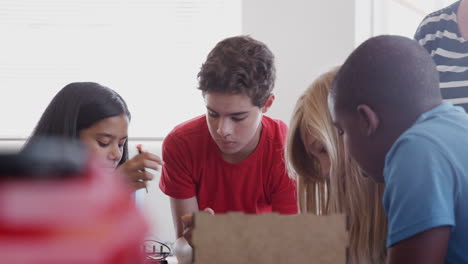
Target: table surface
pixel 172 260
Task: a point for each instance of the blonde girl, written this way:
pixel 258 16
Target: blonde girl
pixel 329 181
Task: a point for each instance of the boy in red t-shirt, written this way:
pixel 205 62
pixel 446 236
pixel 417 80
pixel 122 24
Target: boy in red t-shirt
pixel 232 158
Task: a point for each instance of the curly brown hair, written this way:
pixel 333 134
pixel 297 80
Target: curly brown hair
pixel 239 65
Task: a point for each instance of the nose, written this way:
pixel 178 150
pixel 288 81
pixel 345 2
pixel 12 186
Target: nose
pixel 115 153
pixel 224 127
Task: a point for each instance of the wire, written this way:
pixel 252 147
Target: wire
pixel 154 254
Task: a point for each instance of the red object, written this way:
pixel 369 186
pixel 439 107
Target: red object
pixel 89 218
pixel 193 166
pixel 139 147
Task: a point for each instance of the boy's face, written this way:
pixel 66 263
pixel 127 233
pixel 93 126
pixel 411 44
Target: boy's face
pixel 234 124
pixel 356 141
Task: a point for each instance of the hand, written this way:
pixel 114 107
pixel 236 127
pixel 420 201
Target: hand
pixel 134 169
pixel 187 223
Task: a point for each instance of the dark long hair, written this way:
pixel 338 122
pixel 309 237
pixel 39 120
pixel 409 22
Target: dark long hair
pixel 78 106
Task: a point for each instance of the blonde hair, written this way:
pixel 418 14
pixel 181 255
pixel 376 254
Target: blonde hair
pixel 345 190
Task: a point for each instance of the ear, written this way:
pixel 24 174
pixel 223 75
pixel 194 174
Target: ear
pixel 268 103
pixel 368 119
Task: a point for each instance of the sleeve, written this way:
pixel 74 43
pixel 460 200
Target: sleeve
pixel 284 194
pixel 284 188
pixel 420 35
pixel 419 189
pixel 176 178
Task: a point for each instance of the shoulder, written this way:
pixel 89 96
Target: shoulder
pixel 411 146
pixel 437 139
pixel 274 129
pixel 414 143
pixel 443 125
pixel 193 127
pixel 273 140
pixel 420 186
pixel 437 21
pixel 186 132
pixel 452 8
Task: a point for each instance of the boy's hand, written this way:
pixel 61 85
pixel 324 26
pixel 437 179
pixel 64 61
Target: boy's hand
pixel 187 223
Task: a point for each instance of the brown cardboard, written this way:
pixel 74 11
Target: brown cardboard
pixel 269 238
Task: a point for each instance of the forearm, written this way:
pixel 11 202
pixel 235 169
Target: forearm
pixel 183 251
pixel 427 247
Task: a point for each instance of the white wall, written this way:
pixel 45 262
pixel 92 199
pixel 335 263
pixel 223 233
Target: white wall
pixel 307 37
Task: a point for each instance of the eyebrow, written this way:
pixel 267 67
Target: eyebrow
pixel 110 136
pixel 230 114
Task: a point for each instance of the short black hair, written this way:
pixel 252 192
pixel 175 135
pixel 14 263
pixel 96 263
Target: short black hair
pixel 239 65
pixel 387 72
pixel 78 106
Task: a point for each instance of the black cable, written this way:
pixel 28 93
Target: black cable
pixel 155 256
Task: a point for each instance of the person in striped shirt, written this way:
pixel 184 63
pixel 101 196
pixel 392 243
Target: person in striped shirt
pixel 444 34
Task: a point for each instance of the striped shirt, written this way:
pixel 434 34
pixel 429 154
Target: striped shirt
pixel 439 34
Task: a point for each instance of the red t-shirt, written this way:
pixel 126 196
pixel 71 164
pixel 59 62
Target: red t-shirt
pixel 193 166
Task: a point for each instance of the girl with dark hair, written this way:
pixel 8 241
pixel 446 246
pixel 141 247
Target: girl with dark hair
pixel 99 118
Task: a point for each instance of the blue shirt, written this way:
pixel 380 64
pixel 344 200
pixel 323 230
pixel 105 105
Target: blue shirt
pixel 426 179
pixel 439 34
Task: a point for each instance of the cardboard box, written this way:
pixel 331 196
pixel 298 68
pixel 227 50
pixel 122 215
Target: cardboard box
pixel 269 238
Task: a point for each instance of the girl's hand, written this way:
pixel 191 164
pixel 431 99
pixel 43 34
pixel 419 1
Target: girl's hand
pixel 135 169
